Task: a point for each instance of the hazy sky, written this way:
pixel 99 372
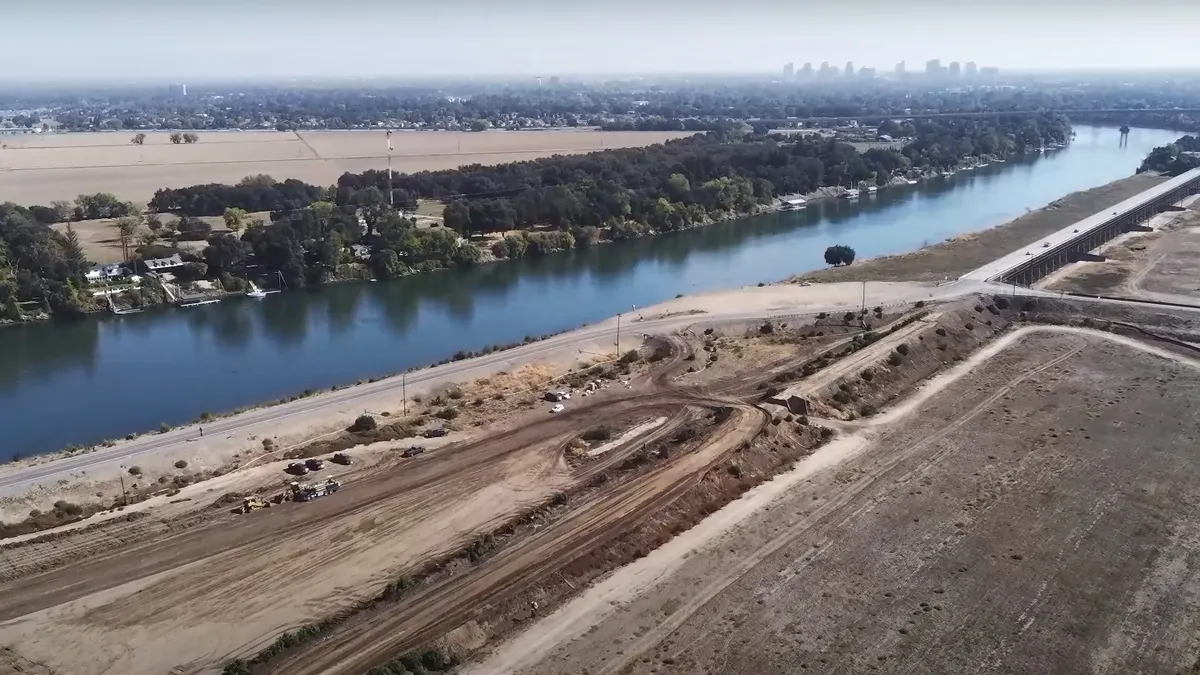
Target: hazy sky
pixel 179 39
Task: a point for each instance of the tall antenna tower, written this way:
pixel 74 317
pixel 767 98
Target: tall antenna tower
pixel 391 197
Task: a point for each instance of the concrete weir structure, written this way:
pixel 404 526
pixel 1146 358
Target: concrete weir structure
pixel 1072 244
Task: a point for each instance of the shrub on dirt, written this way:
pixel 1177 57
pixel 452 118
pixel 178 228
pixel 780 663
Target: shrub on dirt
pixel 941 332
pixel 847 318
pixel 735 470
pixel 182 464
pixel 268 444
pixel 1001 301
pixel 902 349
pixel 363 423
pixel 970 326
pixel 135 471
pixel 842 397
pixel 164 428
pixel 446 413
pixel 867 375
pixel 895 359
pixel 766 328
pixel 597 433
pixel 630 356
pixel 455 394
pixel 826 433
pixel 978 308
pixel 867 409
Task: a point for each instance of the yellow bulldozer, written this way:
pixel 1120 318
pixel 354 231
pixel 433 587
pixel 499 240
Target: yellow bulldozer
pixel 253 504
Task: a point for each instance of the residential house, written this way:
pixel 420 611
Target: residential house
pixel 101 273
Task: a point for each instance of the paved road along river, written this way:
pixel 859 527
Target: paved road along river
pixel 81 382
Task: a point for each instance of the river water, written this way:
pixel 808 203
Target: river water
pixel 82 382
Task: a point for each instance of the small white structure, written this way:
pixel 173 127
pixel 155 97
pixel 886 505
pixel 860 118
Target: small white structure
pixel 792 202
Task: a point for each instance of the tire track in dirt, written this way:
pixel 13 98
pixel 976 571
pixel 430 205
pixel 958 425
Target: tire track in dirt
pixel 428 616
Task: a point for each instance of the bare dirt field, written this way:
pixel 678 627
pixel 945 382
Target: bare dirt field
pixel 1037 515
pixel 967 252
pixel 979 508
pixel 1159 265
pixel 37 169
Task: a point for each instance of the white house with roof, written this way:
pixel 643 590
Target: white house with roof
pixel 163 264
pixel 101 273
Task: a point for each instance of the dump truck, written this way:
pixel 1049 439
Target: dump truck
pixel 306 492
pixel 253 504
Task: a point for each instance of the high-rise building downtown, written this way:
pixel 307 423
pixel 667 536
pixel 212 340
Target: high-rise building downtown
pixel 972 69
pixel 900 68
pixel 933 67
pixel 955 69
pixel 789 70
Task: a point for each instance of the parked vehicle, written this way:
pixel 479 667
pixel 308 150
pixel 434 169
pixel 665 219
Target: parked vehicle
pixel 557 408
pixel 413 451
pixel 434 433
pixel 314 464
pixel 296 468
pixel 341 458
pixel 553 396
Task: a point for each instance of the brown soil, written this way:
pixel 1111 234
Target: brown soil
pixel 62 166
pixel 491 525
pixel 1033 517
pixel 965 253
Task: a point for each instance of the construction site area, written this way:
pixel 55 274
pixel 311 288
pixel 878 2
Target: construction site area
pixel 995 483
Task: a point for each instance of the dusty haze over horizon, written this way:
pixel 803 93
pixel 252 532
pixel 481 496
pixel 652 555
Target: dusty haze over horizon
pixel 170 39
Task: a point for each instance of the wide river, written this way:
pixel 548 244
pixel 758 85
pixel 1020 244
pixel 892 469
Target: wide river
pixel 82 382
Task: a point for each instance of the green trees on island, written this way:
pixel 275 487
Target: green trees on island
pixel 1175 158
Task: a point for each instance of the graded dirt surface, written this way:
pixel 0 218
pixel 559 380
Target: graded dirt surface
pixel 968 252
pixel 1037 514
pixel 155 594
pixel 37 169
pixel 1161 265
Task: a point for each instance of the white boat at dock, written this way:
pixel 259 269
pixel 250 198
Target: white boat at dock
pixel 871 189
pixel 849 194
pixel 255 292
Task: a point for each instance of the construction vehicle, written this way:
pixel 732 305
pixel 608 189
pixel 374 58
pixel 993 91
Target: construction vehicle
pixel 314 464
pixel 253 504
pixel 341 458
pixel 306 492
pixel 296 469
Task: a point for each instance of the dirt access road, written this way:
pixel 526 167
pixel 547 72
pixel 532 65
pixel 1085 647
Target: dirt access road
pixel 1039 514
pixel 223 586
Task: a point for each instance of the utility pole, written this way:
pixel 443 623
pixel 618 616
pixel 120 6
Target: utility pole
pixel 124 497
pixel 864 297
pixel 391 198
pixel 618 335
pixel 404 390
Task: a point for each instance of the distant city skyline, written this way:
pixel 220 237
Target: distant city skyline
pixel 419 38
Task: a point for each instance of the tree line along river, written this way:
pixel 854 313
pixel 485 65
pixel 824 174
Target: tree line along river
pixel 81 382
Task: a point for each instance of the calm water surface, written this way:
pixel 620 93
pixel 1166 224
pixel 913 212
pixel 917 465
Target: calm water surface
pixel 82 382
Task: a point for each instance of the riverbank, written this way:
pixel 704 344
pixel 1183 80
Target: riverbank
pixel 966 252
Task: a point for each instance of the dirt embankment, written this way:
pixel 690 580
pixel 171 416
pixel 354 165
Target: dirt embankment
pixel 967 252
